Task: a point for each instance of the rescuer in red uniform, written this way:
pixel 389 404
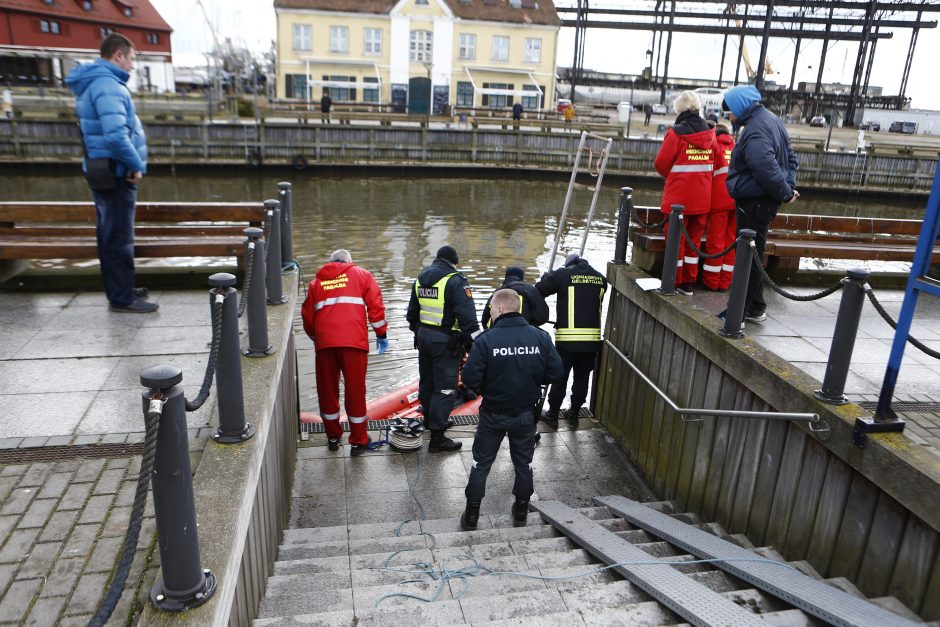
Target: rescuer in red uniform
pixel 338 302
pixel 686 159
pixel 722 228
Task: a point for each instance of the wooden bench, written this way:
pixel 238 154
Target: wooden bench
pixel 792 236
pixel 65 230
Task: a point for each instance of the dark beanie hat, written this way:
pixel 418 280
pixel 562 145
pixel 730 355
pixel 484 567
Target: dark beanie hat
pixel 515 272
pixel 447 253
pixel 724 105
pixel 572 259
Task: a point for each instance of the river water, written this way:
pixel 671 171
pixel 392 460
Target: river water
pixel 392 225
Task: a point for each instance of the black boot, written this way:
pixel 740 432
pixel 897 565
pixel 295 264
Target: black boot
pixel 468 521
pixel 550 417
pixel 441 444
pixel 520 511
pixel 572 415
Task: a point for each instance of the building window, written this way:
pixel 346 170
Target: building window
pixel 51 3
pixel 371 94
pixel 44 26
pixel 341 94
pixel 464 94
pixel 500 48
pixel 296 86
pixel 497 101
pixel 50 26
pixel 339 39
pixel 373 41
pixel 87 5
pixel 531 102
pixel 153 38
pixel 421 45
pixel 533 50
pixel 420 2
pixel 303 37
pixel 128 12
pixel 468 46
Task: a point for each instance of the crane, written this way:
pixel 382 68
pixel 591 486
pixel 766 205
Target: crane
pixel 748 67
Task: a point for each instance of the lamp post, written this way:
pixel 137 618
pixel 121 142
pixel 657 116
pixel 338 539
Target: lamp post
pixel 427 119
pixel 630 112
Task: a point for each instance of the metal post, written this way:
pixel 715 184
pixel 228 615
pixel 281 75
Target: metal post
pixel 228 371
pixel 184 584
pixel 843 338
pixel 623 225
pixel 671 259
pixel 737 295
pixel 257 314
pixel 273 250
pixel 285 196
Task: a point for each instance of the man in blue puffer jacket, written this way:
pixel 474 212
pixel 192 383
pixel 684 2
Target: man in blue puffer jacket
pixel 761 176
pixel 111 130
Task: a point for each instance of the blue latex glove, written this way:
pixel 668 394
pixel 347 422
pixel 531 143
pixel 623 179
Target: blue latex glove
pixel 381 345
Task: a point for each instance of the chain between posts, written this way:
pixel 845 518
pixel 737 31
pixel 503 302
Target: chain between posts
pixel 701 253
pixel 129 548
pixel 647 225
pixel 894 325
pixel 797 297
pixel 203 394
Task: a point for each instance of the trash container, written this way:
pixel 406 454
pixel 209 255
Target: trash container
pixel 624 111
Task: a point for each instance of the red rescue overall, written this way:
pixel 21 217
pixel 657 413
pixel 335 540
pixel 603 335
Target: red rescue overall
pixel 686 159
pixel 722 226
pixel 334 314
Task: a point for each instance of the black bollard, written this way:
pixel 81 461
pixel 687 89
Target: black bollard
pixel 287 240
pixel 671 259
pixel 257 314
pixel 734 314
pixel 273 248
pixel 623 225
pixel 229 392
pixel 184 584
pixel 843 337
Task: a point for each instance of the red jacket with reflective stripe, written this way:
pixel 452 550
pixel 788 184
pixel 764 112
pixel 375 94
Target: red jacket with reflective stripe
pixel 337 305
pixel 687 162
pixel 721 200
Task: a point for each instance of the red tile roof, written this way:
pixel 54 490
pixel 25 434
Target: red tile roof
pixel 541 11
pixel 110 12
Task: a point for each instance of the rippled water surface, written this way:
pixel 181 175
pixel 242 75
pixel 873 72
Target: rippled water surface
pixel 392 225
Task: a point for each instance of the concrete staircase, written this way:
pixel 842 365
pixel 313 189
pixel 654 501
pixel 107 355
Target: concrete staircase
pixel 335 576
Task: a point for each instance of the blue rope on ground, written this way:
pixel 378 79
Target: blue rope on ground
pixel 445 574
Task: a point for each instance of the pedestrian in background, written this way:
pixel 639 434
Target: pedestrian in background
pixel 517 112
pixel 761 176
pixel 339 301
pixel 508 364
pixel 533 306
pixel 326 104
pixel 647 113
pixel 721 230
pixel 569 114
pixel 115 161
pixel 580 289
pixel 686 159
pixel 442 315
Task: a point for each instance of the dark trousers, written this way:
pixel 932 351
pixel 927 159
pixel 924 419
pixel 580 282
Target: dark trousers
pixel 582 363
pixel 756 214
pixel 437 371
pixel 115 232
pixel 489 436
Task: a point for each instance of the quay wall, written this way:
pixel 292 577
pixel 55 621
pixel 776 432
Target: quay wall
pixel 871 515
pixel 242 492
pixel 171 143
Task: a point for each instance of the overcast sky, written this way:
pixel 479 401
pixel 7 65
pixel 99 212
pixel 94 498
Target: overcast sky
pixel 251 22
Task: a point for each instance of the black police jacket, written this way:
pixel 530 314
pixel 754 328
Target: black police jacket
pixel 508 364
pixel 458 299
pixel 589 288
pixel 534 307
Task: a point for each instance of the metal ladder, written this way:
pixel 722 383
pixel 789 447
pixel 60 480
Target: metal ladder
pixel 604 154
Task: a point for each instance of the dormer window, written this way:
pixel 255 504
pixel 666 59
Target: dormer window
pixel 51 3
pixel 124 7
pixel 87 5
pixel 128 12
pixel 421 2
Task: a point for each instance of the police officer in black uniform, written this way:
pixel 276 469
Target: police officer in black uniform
pixel 534 308
pixel 508 364
pixel 580 289
pixel 443 318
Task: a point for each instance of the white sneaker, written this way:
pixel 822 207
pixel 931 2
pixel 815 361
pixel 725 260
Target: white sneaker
pixel 755 317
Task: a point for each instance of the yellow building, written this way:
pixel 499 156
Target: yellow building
pixel 418 54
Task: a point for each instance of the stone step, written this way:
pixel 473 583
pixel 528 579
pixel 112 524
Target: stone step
pixel 563 619
pixel 440 613
pixel 289 595
pixel 513 605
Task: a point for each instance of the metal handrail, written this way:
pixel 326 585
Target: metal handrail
pixel 813 419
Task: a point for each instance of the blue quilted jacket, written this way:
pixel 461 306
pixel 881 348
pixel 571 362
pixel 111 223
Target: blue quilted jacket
pixel 109 122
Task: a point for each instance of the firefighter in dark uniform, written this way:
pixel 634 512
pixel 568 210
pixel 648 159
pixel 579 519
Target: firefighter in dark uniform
pixel 508 364
pixel 443 318
pixel 580 289
pixel 534 308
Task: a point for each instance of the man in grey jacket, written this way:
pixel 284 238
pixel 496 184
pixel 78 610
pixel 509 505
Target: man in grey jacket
pixel 761 176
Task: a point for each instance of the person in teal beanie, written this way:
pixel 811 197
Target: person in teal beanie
pixel 761 176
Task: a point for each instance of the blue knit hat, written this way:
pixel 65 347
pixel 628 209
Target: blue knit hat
pixel 739 98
